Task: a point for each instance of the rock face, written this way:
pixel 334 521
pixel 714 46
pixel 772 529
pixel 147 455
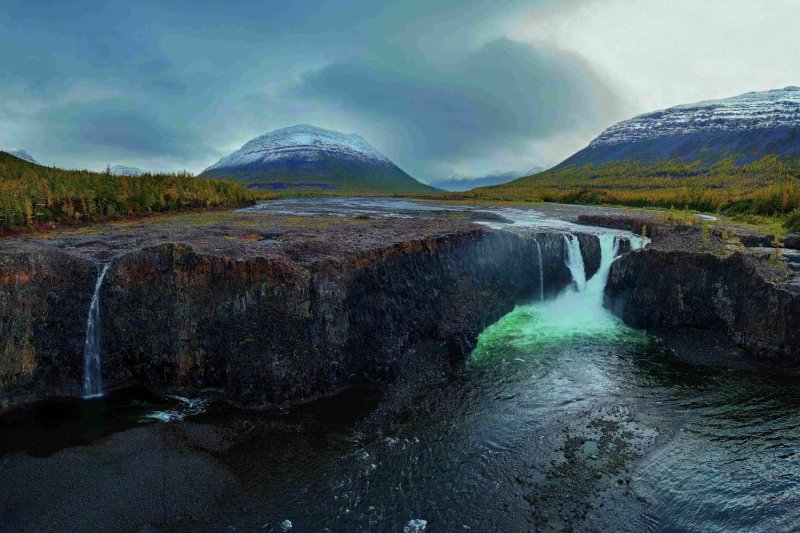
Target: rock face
pixel 273 332
pixel 307 156
pixel 752 302
pixel 272 324
pixel 748 127
pixel 44 296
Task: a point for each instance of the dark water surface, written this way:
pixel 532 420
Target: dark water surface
pixel 558 420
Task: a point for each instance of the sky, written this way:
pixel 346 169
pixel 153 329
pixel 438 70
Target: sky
pixel 445 88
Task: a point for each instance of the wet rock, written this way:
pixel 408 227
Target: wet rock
pixel 44 295
pixel 744 295
pixel 590 250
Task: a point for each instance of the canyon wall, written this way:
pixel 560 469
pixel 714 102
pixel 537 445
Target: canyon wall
pixel 266 330
pixel 44 299
pixel 751 300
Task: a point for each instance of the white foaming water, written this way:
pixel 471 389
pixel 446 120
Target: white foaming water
pixel 594 288
pixel 541 271
pixel 574 262
pixel 189 407
pixel 577 312
pixel 92 370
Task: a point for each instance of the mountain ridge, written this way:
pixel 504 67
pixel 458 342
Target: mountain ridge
pixel 124 170
pixel 305 156
pixel 22 154
pixel 746 127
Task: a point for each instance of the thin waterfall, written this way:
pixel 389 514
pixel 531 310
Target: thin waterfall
pixel 541 270
pixel 574 261
pixel 92 376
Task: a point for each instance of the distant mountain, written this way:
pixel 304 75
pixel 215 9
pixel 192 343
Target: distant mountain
pixel 22 154
pixel 310 157
pixel 122 170
pixel 747 127
pixel 459 184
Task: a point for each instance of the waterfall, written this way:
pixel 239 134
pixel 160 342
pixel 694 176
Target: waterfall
pixel 541 270
pixel 591 290
pixel 609 246
pixel 573 314
pixel 574 262
pixel 92 377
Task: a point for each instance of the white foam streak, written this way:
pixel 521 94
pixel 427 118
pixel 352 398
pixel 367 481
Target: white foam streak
pixel 92 370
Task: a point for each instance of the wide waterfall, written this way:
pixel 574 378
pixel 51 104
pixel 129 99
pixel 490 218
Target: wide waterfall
pixel 575 313
pixel 541 271
pixel 594 288
pixel 92 376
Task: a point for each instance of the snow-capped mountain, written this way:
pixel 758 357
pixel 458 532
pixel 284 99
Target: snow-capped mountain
pixel 307 156
pixel 123 170
pixel 748 126
pixel 22 154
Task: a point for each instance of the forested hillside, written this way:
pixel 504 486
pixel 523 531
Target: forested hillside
pixel 32 194
pixel 768 186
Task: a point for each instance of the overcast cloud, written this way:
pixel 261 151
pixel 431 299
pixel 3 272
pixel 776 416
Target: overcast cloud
pixel 443 88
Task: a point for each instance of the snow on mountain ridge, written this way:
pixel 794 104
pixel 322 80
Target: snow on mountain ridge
pixel 749 111
pixel 303 142
pixel 22 154
pixel 123 170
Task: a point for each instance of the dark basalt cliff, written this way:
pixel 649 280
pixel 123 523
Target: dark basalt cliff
pixel 274 331
pixel 678 288
pixel 44 297
pixel 270 316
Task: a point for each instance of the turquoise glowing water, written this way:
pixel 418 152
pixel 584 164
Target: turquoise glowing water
pixel 576 313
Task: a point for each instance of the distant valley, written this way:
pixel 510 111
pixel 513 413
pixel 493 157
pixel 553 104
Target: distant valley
pixel 123 170
pixel 461 184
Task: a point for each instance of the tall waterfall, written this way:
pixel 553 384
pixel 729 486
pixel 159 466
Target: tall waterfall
pixel 574 262
pixel 92 376
pixel 541 271
pixel 609 246
pixel 576 313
